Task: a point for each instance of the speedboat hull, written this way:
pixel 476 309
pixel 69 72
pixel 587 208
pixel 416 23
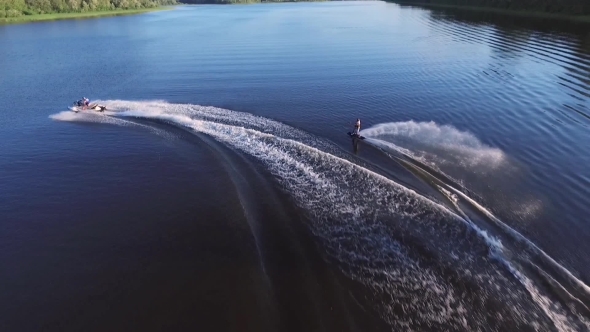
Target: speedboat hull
pixel 91 107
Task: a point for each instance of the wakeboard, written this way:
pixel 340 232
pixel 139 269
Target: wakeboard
pixel 355 136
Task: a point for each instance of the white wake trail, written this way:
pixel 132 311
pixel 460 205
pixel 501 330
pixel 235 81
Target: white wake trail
pixel 411 252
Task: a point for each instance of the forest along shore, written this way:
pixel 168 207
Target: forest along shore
pixel 21 11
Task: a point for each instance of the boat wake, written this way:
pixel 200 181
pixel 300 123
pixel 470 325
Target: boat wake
pixel 422 264
pixel 105 117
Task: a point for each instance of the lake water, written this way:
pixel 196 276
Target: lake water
pixel 220 190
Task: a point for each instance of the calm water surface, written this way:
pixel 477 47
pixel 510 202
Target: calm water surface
pixel 221 192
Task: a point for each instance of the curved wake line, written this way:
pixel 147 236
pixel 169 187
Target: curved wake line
pixel 580 285
pixel 516 235
pixel 452 194
pixel 389 238
pixel 200 125
pixel 559 320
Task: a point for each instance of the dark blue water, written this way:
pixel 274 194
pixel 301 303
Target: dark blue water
pixel 221 192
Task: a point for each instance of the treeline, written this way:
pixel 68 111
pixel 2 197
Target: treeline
pixel 16 8
pixel 569 7
pixel 237 1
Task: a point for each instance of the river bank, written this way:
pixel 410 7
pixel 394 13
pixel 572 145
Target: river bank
pixel 66 16
pixel 509 12
pixel 241 2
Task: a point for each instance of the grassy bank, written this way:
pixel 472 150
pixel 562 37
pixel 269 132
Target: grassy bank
pixel 65 16
pixel 521 13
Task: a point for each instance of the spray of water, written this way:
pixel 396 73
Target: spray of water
pixel 438 144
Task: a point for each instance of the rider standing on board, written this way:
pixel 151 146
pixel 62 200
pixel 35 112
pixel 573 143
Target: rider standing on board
pixel 84 102
pixel 357 127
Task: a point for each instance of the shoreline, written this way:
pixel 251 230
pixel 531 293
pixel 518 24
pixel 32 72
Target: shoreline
pixel 77 15
pixel 508 12
pixel 257 2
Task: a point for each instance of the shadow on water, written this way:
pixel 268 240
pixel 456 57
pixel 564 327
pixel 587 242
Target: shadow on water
pixel 355 146
pixel 575 34
pixel 539 24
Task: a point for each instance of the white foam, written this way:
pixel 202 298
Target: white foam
pixel 65 116
pixel 106 117
pixel 83 117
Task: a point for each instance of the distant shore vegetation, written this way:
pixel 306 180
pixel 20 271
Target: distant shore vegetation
pixel 20 10
pixel 202 2
pixel 12 11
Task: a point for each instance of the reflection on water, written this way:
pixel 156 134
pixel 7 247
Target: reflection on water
pixel 512 22
pixel 547 42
